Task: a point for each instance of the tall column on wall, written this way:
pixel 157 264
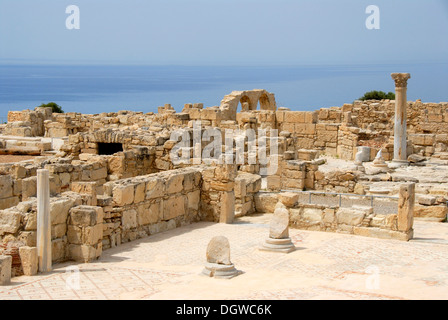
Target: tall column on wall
pixel 400 136
pixel 43 220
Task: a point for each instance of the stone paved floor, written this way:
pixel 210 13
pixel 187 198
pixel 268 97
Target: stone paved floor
pixel 325 266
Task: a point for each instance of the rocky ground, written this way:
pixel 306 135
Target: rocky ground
pixel 324 266
pixel 14 158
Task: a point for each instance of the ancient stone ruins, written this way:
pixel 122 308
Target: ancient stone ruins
pixel 98 181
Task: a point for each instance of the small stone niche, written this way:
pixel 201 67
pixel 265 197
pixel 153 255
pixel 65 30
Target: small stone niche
pixel 107 149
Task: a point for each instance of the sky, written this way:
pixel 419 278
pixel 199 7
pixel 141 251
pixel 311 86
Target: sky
pixel 223 32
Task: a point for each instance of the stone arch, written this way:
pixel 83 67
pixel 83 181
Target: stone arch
pixel 246 104
pixel 229 105
pixel 264 102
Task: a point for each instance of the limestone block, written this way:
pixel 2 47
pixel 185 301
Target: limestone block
pixel 85 216
pixel 84 187
pixel 329 215
pixel 289 199
pixel 59 210
pixel 406 205
pixel 434 213
pixel 92 235
pixel 9 202
pixel 98 174
pixel 240 187
pixel 279 225
pixel 265 202
pixel 194 199
pixel 129 219
pixel 28 258
pixel 6 186
pixel 218 185
pixel 312 215
pixel 297 184
pixel 155 188
pixel 5 270
pixel 28 238
pixel 123 195
pixel 191 180
pixel 174 184
pixel 58 230
pixel 9 221
pixel 426 200
pixel 349 216
pixel 311 116
pixel 218 251
pixel 83 253
pixel 382 233
pixel 140 192
pixel 74 234
pixel 294 116
pixel 29 187
pixel 149 215
pixel 227 213
pixel 173 207
pixel 273 183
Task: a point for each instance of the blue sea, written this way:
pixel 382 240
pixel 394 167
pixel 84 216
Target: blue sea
pixel 96 89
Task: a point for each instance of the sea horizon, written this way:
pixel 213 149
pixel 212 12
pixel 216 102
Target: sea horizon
pixel 93 89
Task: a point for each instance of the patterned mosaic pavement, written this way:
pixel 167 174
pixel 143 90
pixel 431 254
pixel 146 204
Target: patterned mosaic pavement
pixel 324 266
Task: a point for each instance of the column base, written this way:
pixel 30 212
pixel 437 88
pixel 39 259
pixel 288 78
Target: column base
pixel 398 164
pixel 278 245
pixel 220 271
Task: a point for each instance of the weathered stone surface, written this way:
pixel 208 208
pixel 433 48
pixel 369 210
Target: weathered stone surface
pixel 415 158
pixel 406 205
pixel 129 219
pixel 6 186
pixel 350 216
pixel 5 270
pixel 279 225
pixel 140 194
pixel 434 213
pixel 9 202
pixel 82 253
pixel 265 202
pixel 289 199
pixel 9 221
pixel 174 184
pixel 194 199
pixel 312 215
pixel 155 188
pixel 218 251
pixel 382 233
pixel 92 235
pixel 227 207
pixel 28 257
pixel 86 216
pixel 173 207
pixel 427 200
pixel 123 195
pixel 149 215
pixel 59 210
pixel 363 155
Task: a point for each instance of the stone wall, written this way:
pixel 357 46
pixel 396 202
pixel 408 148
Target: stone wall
pixel 356 220
pixel 27 123
pixel 246 187
pixel 138 207
pixel 83 223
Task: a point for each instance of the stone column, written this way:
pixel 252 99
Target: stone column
pixel 406 204
pixel 43 220
pixel 400 136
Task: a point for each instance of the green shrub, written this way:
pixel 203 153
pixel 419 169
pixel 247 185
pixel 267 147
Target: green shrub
pixel 378 95
pixel 54 107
